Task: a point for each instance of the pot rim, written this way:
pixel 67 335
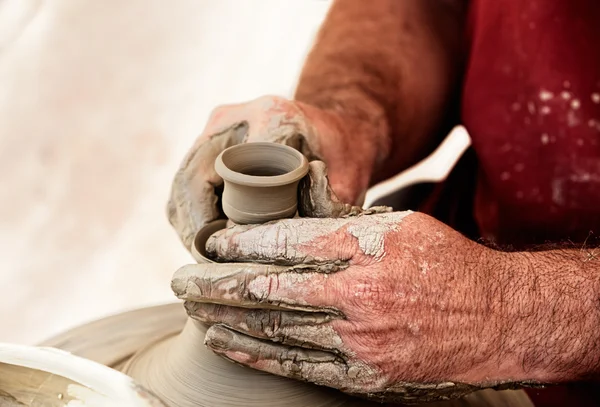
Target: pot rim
pixel 262 181
pixel 205 232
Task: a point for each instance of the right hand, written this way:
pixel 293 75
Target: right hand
pixel 397 306
pixel 318 134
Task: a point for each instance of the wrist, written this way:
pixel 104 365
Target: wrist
pixel 545 317
pixel 484 272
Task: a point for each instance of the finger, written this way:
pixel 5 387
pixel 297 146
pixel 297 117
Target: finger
pixel 302 329
pixel 317 199
pixel 188 211
pixel 193 202
pixel 287 242
pixel 315 366
pixel 224 116
pixel 279 120
pixel 269 118
pixel 304 288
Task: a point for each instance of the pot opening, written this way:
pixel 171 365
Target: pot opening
pixel 262 159
pixel 261 171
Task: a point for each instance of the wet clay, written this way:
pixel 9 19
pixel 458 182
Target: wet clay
pixel 198 249
pixel 260 181
pixel 112 341
pixel 183 372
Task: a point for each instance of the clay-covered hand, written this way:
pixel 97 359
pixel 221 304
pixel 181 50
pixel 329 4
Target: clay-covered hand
pixel 319 135
pixel 394 306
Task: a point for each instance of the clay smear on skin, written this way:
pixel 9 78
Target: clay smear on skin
pixel 303 290
pixel 310 330
pixel 188 374
pixel 292 240
pixel 278 121
pixel 309 240
pixel 371 232
pixel 291 287
pixel 320 367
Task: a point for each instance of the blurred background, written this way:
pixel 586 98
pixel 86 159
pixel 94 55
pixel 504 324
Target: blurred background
pixel 99 102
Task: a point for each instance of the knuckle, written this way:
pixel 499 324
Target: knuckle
pixel 217 112
pixel 293 367
pixel 269 324
pixel 267 102
pixel 197 311
pixel 221 118
pixel 276 240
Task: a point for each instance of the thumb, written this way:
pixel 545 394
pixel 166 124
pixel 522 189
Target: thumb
pixel 317 199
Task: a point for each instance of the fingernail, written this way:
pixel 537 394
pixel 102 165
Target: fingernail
pixel 178 286
pixel 180 280
pixel 218 338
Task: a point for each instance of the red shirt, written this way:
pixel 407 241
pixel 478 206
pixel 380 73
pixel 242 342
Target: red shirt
pixel 531 104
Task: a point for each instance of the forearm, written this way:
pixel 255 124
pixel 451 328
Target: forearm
pixel 394 66
pixel 549 308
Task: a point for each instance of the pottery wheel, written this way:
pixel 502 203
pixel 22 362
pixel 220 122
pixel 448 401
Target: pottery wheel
pixel 114 340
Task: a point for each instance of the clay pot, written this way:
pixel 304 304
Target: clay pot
pixel 199 245
pixel 261 181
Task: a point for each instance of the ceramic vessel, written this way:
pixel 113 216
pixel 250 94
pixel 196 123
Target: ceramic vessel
pixel 261 181
pixel 31 376
pixel 199 245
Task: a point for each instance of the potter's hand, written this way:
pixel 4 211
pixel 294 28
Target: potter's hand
pixel 316 133
pixel 390 306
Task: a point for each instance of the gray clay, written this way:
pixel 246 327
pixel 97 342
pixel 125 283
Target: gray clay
pixel 199 246
pixel 261 181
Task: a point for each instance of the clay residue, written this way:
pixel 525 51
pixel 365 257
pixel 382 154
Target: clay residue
pixel 287 242
pixel 185 373
pixel 371 232
pixel 253 285
pixel 327 369
pixel 318 200
pixel 309 330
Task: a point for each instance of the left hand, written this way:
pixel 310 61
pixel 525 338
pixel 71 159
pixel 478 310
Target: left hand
pixel 392 306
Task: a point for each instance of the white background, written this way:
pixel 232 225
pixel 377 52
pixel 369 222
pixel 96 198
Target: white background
pixel 99 101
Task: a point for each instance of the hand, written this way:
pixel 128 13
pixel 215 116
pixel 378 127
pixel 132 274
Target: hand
pixel 392 306
pixel 338 141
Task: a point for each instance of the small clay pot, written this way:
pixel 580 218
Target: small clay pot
pixel 261 181
pixel 199 246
